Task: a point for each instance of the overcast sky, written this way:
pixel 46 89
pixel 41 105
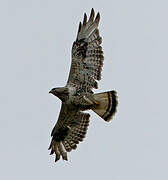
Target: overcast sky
pixel 35 41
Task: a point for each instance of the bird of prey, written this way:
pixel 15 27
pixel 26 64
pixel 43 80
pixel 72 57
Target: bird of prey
pixel 77 96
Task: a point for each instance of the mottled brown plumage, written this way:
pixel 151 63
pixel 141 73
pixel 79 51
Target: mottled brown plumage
pixel 77 96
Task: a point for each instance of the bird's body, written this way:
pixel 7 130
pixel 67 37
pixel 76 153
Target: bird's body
pixel 73 97
pixel 77 96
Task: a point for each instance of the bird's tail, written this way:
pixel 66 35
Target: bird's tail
pixel 106 104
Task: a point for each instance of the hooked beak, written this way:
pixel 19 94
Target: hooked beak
pixel 51 91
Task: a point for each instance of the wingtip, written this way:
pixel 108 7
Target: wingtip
pixel 49 147
pixel 80 25
pixel 84 19
pixel 97 19
pixel 52 152
pixel 65 158
pixel 57 157
pixel 92 14
pixel 92 11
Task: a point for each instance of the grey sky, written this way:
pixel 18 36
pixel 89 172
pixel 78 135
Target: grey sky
pixel 35 42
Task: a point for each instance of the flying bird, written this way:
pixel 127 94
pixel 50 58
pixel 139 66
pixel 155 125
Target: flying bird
pixel 77 96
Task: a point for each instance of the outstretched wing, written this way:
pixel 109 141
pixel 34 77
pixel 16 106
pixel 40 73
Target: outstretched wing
pixel 69 130
pixel 87 55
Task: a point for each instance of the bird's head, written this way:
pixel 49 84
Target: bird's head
pixel 61 93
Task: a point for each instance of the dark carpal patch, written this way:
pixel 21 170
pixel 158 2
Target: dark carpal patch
pixel 60 134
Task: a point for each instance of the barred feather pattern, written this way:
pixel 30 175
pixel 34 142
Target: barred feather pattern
pixel 70 129
pixel 77 132
pixel 87 55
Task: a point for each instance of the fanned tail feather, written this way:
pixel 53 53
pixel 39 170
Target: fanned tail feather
pixel 107 104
